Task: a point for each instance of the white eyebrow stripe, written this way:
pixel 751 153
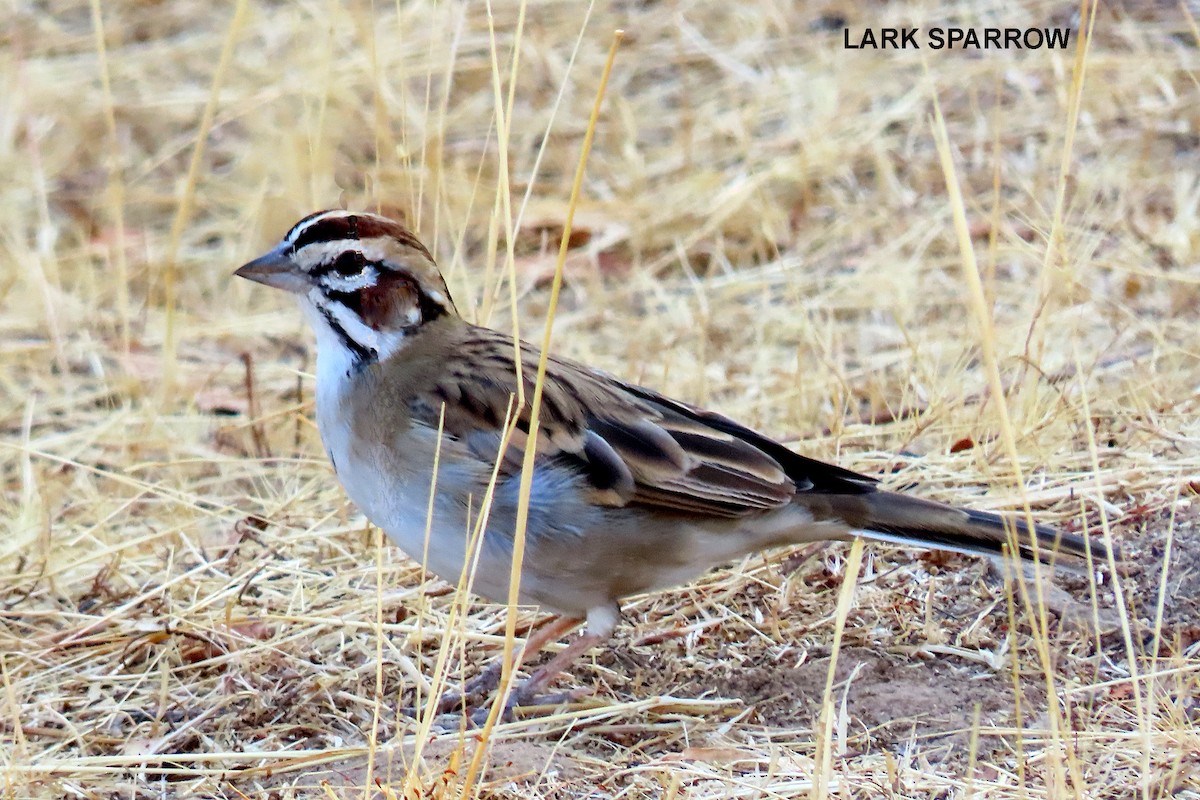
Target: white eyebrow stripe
pixel 376 248
pixel 318 254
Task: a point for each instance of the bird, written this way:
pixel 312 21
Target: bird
pixel 631 491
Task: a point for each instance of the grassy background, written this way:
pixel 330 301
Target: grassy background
pixel 189 606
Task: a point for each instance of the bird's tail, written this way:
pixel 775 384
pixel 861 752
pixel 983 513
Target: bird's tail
pixel 913 522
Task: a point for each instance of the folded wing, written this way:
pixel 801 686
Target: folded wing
pixel 634 446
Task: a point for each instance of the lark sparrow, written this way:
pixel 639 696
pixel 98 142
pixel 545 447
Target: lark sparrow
pixel 632 491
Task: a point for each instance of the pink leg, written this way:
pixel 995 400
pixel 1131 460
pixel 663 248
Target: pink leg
pixel 543 675
pixel 601 622
pixel 486 682
pixel 552 631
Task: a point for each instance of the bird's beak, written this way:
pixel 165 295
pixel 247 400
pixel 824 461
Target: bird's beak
pixel 277 270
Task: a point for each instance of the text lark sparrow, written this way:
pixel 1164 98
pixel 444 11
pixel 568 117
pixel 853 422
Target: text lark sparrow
pixel 631 491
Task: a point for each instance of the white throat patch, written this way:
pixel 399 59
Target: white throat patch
pixel 324 313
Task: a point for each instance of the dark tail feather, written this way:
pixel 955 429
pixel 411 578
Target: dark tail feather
pixel 911 521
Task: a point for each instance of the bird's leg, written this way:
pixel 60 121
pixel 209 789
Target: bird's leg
pixel 527 692
pixel 600 625
pixel 486 682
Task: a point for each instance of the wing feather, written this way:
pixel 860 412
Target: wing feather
pixel 635 447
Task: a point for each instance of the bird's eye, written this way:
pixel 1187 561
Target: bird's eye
pixel 349 263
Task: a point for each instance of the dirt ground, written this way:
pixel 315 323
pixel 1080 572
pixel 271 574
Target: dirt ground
pixel 892 698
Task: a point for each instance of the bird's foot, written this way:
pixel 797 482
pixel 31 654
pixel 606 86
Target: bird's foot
pixel 473 693
pixel 475 690
pixel 527 693
pixel 521 699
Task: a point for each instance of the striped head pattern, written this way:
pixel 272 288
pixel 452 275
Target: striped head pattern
pixel 365 281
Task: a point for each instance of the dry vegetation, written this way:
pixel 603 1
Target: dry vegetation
pixel 189 607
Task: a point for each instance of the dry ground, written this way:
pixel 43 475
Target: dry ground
pixel 189 607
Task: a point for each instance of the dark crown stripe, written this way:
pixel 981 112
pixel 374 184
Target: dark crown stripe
pixel 292 231
pixel 330 229
pixel 351 227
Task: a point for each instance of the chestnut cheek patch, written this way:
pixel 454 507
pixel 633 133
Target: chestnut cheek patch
pixel 393 302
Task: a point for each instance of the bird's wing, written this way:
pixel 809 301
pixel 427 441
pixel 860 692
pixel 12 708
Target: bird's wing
pixel 634 446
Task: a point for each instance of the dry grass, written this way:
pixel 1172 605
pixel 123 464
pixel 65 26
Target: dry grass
pixel 189 607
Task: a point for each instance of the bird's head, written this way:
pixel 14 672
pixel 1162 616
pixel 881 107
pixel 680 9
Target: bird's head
pixel 364 279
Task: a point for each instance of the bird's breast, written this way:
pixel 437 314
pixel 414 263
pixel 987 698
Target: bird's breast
pixel 384 461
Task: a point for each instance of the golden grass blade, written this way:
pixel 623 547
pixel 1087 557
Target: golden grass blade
pixel 823 778
pixel 116 182
pixel 183 211
pixel 527 463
